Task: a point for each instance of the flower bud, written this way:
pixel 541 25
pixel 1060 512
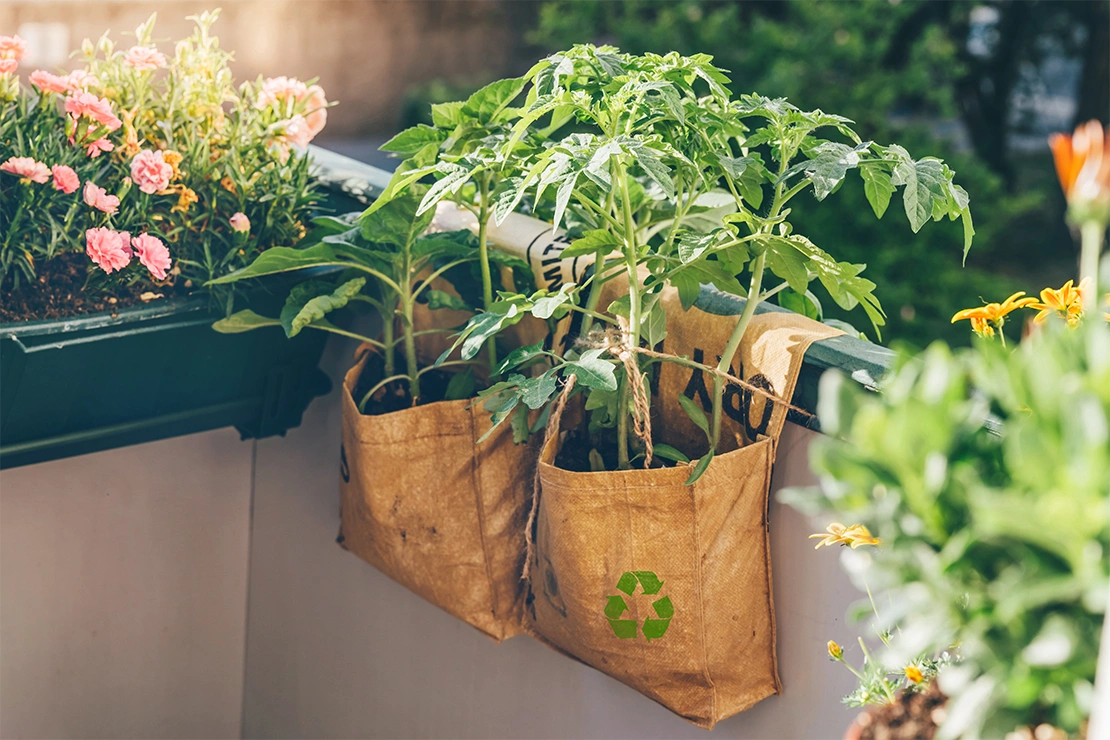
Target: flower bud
pixel 835 651
pixel 240 223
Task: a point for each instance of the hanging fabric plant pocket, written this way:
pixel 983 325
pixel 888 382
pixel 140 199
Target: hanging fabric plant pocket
pixel 666 586
pixel 436 511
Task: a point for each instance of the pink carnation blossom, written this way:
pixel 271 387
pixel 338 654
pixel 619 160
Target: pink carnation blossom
pixel 27 168
pixel 150 171
pixel 240 223
pixel 287 94
pixel 99 199
pixel 152 254
pixel 7 66
pixel 65 179
pixel 49 83
pixel 279 90
pixel 296 131
pixel 110 250
pixel 316 110
pixel 13 47
pixel 98 146
pixel 99 109
pixel 144 58
pixel 81 79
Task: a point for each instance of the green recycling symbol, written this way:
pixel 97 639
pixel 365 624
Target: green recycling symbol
pixel 626 628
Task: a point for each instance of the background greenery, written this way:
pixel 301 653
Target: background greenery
pixel 905 72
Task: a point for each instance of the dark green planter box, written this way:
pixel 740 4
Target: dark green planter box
pixel 102 381
pixel 96 382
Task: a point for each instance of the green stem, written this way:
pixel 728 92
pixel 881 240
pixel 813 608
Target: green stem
pixel 594 296
pixel 388 318
pixel 1090 246
pixel 725 365
pixel 630 258
pixel 483 257
pixel 372 391
pixel 411 365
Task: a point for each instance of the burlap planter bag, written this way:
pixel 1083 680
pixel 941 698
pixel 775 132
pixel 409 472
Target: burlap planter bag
pixel 437 512
pixel 663 586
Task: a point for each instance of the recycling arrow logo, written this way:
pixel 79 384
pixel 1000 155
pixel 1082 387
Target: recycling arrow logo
pixel 626 629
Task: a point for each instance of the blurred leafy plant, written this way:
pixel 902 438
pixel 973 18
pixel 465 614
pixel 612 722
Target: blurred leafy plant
pixel 986 474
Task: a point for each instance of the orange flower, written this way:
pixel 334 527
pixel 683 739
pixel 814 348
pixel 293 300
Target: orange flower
pixel 1083 162
pixel 1067 302
pixel 985 319
pixel 914 674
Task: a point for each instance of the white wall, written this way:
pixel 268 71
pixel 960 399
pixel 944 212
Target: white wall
pixel 336 649
pixel 123 603
pixel 123 578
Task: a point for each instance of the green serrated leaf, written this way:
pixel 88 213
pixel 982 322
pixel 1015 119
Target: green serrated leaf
pixel 438 299
pixel 519 356
pixel 535 392
pixel 312 300
pixel 592 371
pixel 877 187
pixel 591 242
pixel 412 140
pixel 487 103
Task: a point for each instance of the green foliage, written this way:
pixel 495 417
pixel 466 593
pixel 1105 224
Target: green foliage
pixel 660 170
pixel 390 264
pixel 986 475
pixel 234 157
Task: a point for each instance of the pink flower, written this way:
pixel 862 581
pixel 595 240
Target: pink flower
pixel 81 79
pixel 240 223
pixel 287 94
pixel 13 47
pixel 27 168
pixel 98 146
pixel 144 58
pixel 296 131
pixel 8 66
pixel 316 110
pixel 99 199
pixel 276 91
pixel 99 109
pixel 65 179
pixel 49 83
pixel 109 249
pixel 152 254
pixel 150 171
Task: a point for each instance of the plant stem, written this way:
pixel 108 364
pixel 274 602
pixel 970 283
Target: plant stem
pixel 594 296
pixel 631 254
pixel 599 269
pixel 408 299
pixel 483 258
pixel 725 364
pixel 412 368
pixel 388 318
pixel 1090 246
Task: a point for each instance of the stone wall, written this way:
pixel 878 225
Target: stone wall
pixel 367 53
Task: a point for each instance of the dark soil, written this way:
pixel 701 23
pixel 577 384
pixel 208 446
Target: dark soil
pixel 59 292
pixel 574 453
pixel 395 396
pixel 914 716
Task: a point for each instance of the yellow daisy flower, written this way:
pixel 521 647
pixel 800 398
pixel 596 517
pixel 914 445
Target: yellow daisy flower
pixel 1067 303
